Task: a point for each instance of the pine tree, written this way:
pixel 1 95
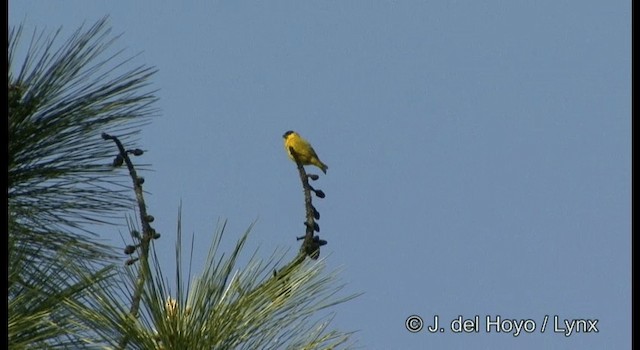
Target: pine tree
pixel 69 289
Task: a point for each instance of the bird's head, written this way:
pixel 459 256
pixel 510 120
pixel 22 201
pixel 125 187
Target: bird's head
pixel 286 134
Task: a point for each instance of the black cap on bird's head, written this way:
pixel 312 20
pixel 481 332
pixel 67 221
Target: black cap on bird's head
pixel 287 133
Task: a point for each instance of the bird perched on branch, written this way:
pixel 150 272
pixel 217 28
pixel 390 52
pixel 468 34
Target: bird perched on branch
pixel 304 152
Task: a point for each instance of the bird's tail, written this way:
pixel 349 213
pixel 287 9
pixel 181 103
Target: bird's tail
pixel 317 162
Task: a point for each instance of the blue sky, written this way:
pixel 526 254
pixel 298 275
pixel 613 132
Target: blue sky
pixel 478 152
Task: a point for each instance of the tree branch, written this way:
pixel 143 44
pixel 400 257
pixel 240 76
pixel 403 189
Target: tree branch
pixel 311 243
pixel 148 232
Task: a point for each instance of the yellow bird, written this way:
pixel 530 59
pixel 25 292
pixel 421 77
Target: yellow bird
pixel 305 153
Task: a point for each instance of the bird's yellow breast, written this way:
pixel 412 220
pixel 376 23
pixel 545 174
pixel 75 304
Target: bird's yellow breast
pixel 305 154
pixel 303 149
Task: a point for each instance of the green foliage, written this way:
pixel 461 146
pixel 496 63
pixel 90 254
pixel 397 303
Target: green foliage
pixel 59 103
pixel 230 307
pixel 60 178
pixel 40 303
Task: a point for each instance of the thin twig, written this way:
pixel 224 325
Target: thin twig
pixel 311 243
pixel 148 234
